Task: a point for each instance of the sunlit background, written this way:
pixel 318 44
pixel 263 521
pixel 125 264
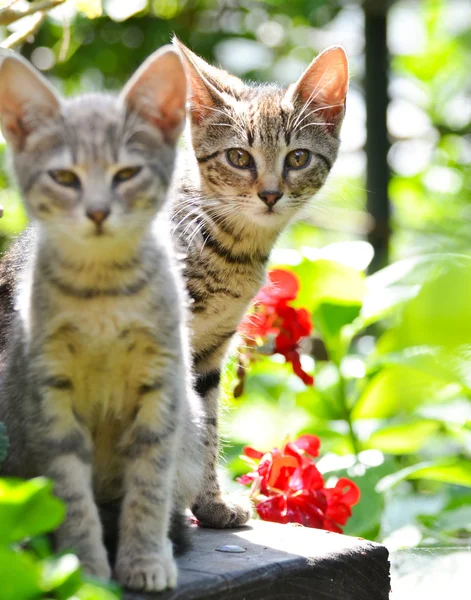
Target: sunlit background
pixel 406 403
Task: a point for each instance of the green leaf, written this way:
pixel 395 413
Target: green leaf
pixel 92 9
pixel 456 519
pixel 404 438
pixel 61 575
pixel 19 576
pixel 435 316
pixel 333 292
pixel 322 400
pixel 366 515
pixel 397 390
pixel 391 287
pixel 451 365
pixel 330 318
pixel 329 282
pixel 28 508
pixel 453 471
pixel 92 590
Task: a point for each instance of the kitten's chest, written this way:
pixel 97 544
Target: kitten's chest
pixel 221 298
pixel 105 350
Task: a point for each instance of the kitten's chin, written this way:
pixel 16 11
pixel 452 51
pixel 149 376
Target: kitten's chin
pixel 268 219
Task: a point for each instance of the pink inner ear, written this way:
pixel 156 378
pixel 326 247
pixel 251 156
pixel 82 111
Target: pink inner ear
pixel 170 121
pixel 201 101
pixel 325 84
pixel 11 125
pixel 326 79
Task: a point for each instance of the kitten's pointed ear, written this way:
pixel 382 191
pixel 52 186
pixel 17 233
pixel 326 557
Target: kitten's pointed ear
pixel 26 98
pixel 210 87
pixel 158 90
pixel 324 83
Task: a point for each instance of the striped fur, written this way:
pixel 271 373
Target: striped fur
pixel 96 391
pixel 222 225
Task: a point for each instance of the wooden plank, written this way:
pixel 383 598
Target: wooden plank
pixel 279 562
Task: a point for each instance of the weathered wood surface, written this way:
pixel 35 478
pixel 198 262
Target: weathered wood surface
pixel 280 562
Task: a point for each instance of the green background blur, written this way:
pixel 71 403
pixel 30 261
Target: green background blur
pixel 391 402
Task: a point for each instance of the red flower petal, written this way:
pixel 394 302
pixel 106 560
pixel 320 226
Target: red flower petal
pixel 309 443
pixel 292 450
pixel 295 360
pixel 344 491
pixel 246 479
pixel 280 473
pixel 339 512
pixel 252 453
pixel 307 478
pixel 350 491
pixel 273 509
pixel 301 509
pixel 312 478
pixel 304 321
pixel 282 287
pixel 329 525
pixel 256 324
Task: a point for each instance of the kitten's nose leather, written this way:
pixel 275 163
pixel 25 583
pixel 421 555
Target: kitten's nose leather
pixel 270 197
pixel 98 215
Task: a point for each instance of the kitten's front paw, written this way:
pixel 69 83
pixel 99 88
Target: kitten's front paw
pixel 222 512
pixel 152 572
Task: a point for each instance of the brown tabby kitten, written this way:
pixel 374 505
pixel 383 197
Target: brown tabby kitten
pixel 96 390
pixel 257 154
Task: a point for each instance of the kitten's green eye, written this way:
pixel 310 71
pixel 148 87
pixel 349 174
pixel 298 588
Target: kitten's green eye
pixel 126 174
pixel 65 178
pixel 298 159
pixel 239 158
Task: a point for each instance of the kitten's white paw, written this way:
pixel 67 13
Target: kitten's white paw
pixel 222 512
pixel 152 572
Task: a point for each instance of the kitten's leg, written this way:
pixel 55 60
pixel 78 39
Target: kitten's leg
pixel 212 508
pixel 190 464
pixel 145 556
pixel 63 449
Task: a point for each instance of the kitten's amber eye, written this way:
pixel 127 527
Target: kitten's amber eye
pixel 65 178
pixel 298 159
pixel 125 174
pixel 239 158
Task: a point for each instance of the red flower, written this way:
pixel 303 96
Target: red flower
pixel 282 286
pixel 288 488
pixel 273 316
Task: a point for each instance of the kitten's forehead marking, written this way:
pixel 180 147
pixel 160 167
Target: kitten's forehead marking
pixel 266 129
pixel 93 128
pixel 266 121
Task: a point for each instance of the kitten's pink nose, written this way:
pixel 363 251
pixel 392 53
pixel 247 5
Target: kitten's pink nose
pixel 270 197
pixel 98 215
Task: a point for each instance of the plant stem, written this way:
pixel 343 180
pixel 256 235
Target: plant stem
pixel 17 38
pixel 9 15
pixel 347 412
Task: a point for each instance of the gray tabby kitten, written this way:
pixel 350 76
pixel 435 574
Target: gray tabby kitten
pixel 97 393
pixel 257 155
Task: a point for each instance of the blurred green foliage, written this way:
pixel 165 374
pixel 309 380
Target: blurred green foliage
pixel 28 569
pixel 392 401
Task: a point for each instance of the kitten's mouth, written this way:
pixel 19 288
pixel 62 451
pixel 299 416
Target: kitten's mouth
pixel 99 231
